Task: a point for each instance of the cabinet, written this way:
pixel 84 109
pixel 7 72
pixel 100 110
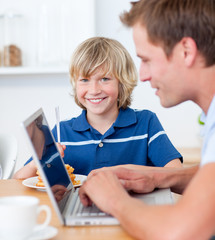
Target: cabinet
pixel 52 30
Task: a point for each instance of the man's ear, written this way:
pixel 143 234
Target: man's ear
pixel 189 49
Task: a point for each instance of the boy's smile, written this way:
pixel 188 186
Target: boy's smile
pixel 95 100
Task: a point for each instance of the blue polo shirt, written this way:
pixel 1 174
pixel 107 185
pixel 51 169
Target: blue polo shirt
pixel 136 137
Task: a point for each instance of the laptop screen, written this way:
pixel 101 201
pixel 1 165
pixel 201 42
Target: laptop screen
pixel 47 157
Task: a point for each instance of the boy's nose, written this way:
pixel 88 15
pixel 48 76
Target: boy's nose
pixel 95 88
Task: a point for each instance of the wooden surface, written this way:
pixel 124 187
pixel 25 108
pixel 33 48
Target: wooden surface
pixel 14 187
pixel 191 155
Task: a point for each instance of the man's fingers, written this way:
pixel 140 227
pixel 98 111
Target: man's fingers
pixel 85 200
pixel 92 173
pixel 96 171
pixel 138 186
pixel 127 184
pixel 125 173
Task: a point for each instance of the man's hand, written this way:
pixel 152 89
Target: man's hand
pixel 137 181
pixel 104 189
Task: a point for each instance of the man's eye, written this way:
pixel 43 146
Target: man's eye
pixel 145 60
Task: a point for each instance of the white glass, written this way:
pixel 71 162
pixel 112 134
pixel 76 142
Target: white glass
pixel 48 34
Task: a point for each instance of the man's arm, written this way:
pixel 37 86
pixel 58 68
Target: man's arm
pixel 145 179
pixel 175 163
pixel 176 179
pixel 192 217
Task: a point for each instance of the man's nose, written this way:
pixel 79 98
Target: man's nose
pixel 144 73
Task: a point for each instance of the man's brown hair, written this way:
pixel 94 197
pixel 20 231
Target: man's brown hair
pixel 168 21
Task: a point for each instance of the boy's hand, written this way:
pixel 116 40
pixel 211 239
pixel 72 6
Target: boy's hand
pixel 61 148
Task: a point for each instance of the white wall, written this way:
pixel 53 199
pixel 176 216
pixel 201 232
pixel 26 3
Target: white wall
pixel 21 95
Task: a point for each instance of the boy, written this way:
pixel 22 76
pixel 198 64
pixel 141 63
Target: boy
pixel 109 133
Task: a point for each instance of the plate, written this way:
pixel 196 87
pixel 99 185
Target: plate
pixel 31 182
pixel 46 233
pixel 80 177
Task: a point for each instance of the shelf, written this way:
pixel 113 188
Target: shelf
pixel 7 71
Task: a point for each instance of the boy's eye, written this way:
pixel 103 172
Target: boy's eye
pixel 84 80
pixel 104 79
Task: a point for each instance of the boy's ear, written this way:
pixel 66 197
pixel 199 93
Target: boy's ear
pixel 189 49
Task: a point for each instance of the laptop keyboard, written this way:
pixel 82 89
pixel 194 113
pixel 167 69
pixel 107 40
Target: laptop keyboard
pixel 89 211
pixel 81 210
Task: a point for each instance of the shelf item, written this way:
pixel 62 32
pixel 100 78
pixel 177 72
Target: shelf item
pixel 11 26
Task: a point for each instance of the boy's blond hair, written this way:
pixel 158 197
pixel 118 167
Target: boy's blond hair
pixel 112 57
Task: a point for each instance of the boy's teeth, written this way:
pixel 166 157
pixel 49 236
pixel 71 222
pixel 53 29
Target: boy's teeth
pixel 96 100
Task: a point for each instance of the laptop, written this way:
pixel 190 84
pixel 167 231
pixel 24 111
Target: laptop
pixel 63 195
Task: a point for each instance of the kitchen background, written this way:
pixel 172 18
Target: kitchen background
pixel 40 36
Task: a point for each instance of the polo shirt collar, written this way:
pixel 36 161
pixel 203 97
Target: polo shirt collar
pixel 81 123
pixel 125 118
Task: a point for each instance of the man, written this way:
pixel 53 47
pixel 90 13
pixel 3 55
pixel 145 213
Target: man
pixel 175 41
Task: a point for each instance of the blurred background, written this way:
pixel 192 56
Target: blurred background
pixel 37 39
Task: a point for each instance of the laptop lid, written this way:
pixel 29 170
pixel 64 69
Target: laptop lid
pixel 48 160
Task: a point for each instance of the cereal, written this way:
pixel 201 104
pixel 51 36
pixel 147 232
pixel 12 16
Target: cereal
pixel 12 56
pixel 70 172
